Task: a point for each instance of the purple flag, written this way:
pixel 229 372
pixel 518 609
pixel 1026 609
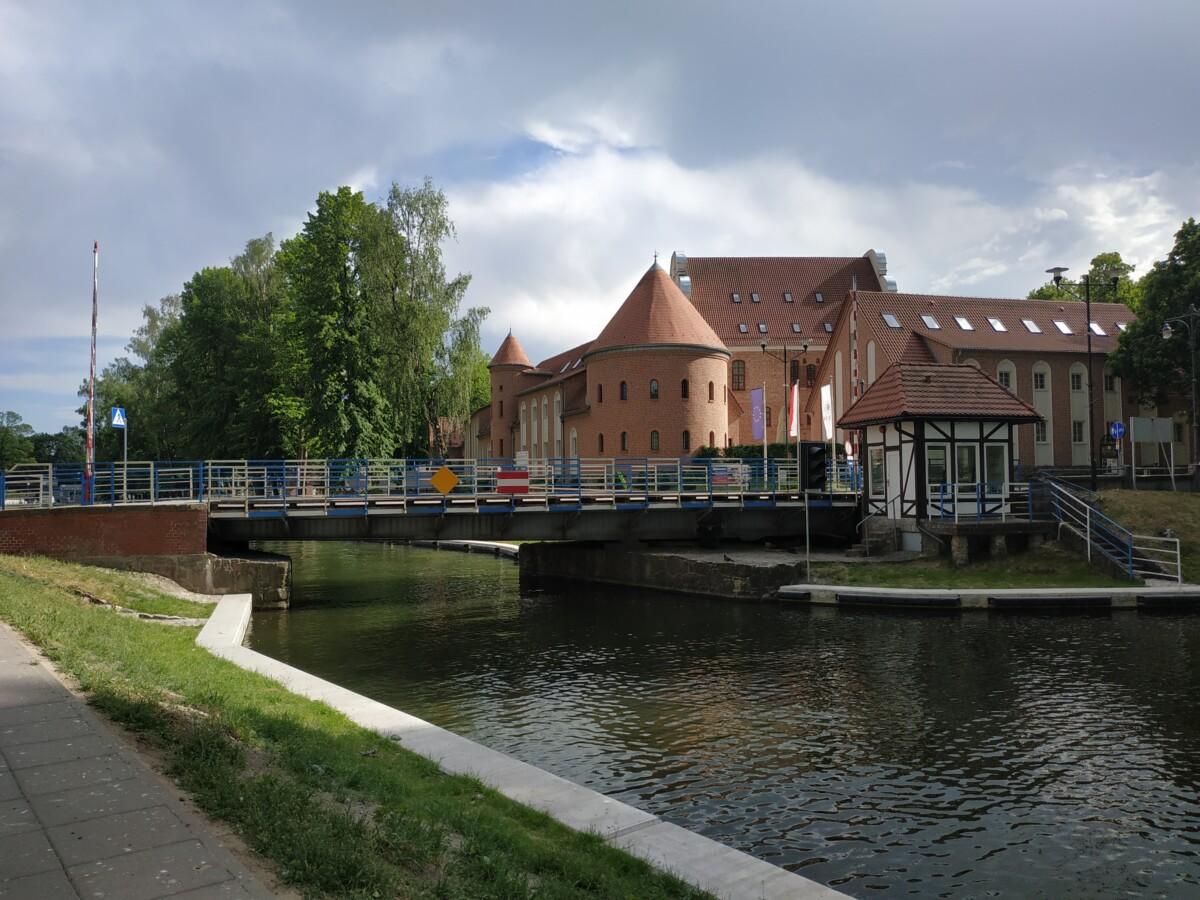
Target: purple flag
pixel 756 413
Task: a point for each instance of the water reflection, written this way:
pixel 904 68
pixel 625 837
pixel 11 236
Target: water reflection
pixel 933 755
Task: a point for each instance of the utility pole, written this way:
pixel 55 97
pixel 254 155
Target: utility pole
pixel 89 465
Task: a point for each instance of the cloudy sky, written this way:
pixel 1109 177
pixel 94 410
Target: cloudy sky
pixel 976 142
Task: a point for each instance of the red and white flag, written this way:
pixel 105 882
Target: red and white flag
pixel 794 431
pixel 512 482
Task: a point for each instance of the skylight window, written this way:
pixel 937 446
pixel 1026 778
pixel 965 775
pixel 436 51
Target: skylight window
pixel 996 324
pixel 787 296
pixel 1121 326
pixel 1096 329
pixel 735 297
pixel 762 327
pixel 820 297
pixel 566 365
pixel 890 318
pixel 1063 326
pixel 755 298
pixel 795 327
pixel 828 327
pixel 742 327
pixel 1032 327
pixel 930 322
pixel 575 365
pixel 963 323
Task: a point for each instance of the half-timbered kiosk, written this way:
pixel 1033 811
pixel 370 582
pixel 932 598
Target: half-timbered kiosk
pixel 937 444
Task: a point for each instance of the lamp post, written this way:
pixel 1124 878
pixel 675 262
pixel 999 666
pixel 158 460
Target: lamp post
pixel 1191 321
pixel 1086 282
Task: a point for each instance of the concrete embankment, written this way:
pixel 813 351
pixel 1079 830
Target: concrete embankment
pixel 711 866
pixel 495 548
pixel 1185 596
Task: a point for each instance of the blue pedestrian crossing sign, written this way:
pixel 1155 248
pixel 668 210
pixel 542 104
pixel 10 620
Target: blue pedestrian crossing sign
pixel 118 417
pixel 1117 430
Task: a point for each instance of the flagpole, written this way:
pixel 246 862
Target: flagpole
pixel 90 462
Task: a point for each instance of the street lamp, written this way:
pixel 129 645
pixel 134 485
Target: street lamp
pixel 1191 321
pixel 1056 274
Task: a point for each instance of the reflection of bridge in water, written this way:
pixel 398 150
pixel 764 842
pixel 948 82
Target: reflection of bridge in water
pixel 561 498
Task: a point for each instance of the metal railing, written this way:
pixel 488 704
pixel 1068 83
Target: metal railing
pixel 347 486
pixel 981 501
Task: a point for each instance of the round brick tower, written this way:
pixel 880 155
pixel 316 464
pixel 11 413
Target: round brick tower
pixel 506 368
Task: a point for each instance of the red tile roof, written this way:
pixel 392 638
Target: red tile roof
pixel 714 279
pixel 656 313
pixel 908 308
pixel 555 368
pixel 922 391
pixel 511 353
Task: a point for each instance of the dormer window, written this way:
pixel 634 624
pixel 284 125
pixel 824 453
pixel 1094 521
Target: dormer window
pixel 891 320
pixel 735 297
pixel 963 323
pixel 1063 326
pixel 762 327
pixel 787 296
pixel 930 322
pixel 742 327
pixel 996 324
pixel 795 328
pixel 1031 326
pixel 755 298
pixel 820 297
pixel 1121 326
pixel 1096 329
pixel 828 327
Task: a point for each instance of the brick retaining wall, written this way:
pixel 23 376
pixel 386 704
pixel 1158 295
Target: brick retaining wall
pixel 85 532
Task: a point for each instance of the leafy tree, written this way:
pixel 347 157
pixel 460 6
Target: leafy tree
pixel 65 447
pixel 1157 367
pixel 15 444
pixel 1103 268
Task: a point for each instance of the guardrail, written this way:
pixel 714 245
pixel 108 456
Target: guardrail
pixel 343 486
pixel 981 501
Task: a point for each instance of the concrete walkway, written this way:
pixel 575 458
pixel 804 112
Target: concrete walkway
pixel 82 816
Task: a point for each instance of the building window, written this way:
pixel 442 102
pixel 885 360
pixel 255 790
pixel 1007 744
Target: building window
pixel 964 323
pixel 600 443
pixel 1039 381
pixel 876 471
pixel 935 464
pixel 743 327
pixel 762 327
pixel 1077 431
pixel 966 463
pixel 1077 381
pixel 574 442
pixel 1178 436
pixel 1063 326
pixel 739 374
pixel 820 297
pixel 996 324
pixel 712 439
pixel 624 391
pixel 1110 382
pixel 795 328
pixel 1004 378
pixel 712 392
pixel 653 388
pixel 1031 326
pixel 683 389
pixel 735 297
pixel 624 441
pixel 930 322
pixel 1039 433
pixel 599 393
pixel 654 441
pixel 794 374
pixel 767 413
pixel 754 298
pixel 502 409
pixel 810 375
pixel 1096 329
pixel 787 296
pixel 501 447
pixel 891 320
pixel 687 440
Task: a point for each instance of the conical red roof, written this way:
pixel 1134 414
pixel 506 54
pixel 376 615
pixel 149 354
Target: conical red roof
pixel 656 313
pixel 511 353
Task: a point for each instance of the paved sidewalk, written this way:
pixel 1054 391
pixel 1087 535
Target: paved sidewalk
pixel 81 815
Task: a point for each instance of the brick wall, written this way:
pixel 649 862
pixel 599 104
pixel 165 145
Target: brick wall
pixel 76 533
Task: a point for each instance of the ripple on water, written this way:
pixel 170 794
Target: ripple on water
pixel 954 756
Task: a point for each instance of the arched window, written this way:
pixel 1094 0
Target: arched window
pixel 810 375
pixel 599 393
pixel 654 441
pixel 624 441
pixel 533 428
pixel 524 441
pixel 712 439
pixel 558 424
pixel 1006 374
pixel 653 388
pixel 794 373
pixel 600 443
pixel 574 442
pixel 687 440
pixel 502 446
pixel 545 427
pixel 624 391
pixel 502 409
pixel 768 416
pixel 683 389
pixel 739 374
pixel 725 394
pixel 711 392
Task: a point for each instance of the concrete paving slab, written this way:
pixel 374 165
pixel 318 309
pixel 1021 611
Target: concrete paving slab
pixel 43 753
pixel 26 854
pixel 17 816
pixel 77 805
pixel 75 773
pixel 58 709
pixel 225 890
pixel 149 874
pixel 116 835
pixel 43 730
pixel 9 789
pixel 47 886
pixel 18 691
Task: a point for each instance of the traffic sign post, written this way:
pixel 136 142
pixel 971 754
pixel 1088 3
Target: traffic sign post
pixel 121 421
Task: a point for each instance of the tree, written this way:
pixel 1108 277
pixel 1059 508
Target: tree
pixel 1104 266
pixel 65 447
pixel 15 444
pixel 1156 367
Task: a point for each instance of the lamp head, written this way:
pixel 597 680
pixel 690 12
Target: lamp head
pixel 1167 331
pixel 1056 274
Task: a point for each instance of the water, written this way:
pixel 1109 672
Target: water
pixel 956 755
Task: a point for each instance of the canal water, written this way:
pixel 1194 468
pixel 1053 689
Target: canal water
pixel 951 755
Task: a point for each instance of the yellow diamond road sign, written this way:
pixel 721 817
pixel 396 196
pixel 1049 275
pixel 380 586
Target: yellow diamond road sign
pixel 444 480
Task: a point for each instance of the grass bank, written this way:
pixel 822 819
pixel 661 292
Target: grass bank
pixel 1149 512
pixel 1047 566
pixel 338 809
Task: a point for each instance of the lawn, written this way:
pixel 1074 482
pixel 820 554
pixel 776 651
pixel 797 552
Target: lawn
pixel 1149 512
pixel 1047 566
pixel 339 810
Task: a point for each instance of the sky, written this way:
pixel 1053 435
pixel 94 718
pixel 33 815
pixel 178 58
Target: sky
pixel 977 143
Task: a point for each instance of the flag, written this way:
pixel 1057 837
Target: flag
pixel 827 411
pixel 794 431
pixel 756 413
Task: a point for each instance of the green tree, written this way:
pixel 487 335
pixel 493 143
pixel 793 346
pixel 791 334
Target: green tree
pixel 1101 272
pixel 1158 368
pixel 65 447
pixel 15 444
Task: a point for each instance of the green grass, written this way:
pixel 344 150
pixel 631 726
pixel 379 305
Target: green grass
pixel 1149 512
pixel 105 584
pixel 1047 566
pixel 290 775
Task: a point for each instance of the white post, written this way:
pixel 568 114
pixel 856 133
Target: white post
pixel 1133 453
pixel 1087 516
pixel 125 462
pixel 1172 464
pixel 807 544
